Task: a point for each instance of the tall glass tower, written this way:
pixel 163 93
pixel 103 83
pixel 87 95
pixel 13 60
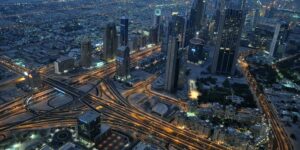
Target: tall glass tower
pixel 230 28
pixel 197 14
pixel 86 53
pixel 172 66
pixel 124 31
pixel 110 41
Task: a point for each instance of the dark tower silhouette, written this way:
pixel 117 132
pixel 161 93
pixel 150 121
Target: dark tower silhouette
pixel 110 41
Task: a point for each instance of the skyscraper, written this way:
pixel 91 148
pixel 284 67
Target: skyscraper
pixel 194 18
pixel 172 28
pixel 176 27
pixel 86 53
pixel 254 18
pixel 153 37
pixel 279 40
pixel 124 31
pixel 110 41
pixel 172 66
pixel 157 17
pixel 197 15
pixel 123 63
pixel 196 53
pixel 228 40
pixel 88 125
pixel 156 28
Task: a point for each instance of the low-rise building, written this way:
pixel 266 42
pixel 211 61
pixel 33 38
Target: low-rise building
pixel 64 65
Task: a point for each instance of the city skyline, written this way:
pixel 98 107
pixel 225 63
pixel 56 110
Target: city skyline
pixel 158 75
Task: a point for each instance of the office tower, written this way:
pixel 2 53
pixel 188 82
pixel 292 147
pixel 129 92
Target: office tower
pixel 123 63
pixel 88 125
pixel 279 40
pixel 165 37
pixel 176 27
pixel 124 31
pixel 264 33
pixel 196 53
pixel 172 66
pixel 250 21
pixel 195 20
pixel 154 35
pixel 271 35
pixel 110 42
pixel 157 17
pixel 155 31
pixel 217 20
pixel 197 15
pixel 86 53
pixel 228 40
pixel 254 19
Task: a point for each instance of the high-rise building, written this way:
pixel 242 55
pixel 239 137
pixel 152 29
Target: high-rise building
pixel 196 54
pixel 194 20
pixel 263 33
pixel 254 19
pixel 279 40
pixel 197 15
pixel 86 53
pixel 157 17
pixel 123 63
pixel 172 66
pixel 154 35
pixel 89 125
pixel 176 25
pixel 110 42
pixel 271 35
pixel 228 41
pixel 217 20
pixel 176 28
pixel 155 31
pixel 124 31
pixel 165 37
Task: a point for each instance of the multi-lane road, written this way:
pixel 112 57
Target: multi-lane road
pixel 125 114
pixel 145 87
pixel 281 138
pixel 122 114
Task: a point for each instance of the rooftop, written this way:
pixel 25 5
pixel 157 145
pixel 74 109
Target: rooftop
pixel 88 116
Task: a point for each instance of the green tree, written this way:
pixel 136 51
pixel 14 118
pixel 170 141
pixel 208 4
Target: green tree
pixel 293 136
pixel 295 119
pixel 226 83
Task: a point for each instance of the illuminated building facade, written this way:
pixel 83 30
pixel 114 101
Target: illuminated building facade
pixel 88 125
pixel 110 42
pixel 124 31
pixel 230 29
pixel 197 15
pixel 196 54
pixel 172 67
pixel 86 53
pixel 123 63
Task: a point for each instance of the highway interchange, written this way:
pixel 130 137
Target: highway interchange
pixel 119 113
